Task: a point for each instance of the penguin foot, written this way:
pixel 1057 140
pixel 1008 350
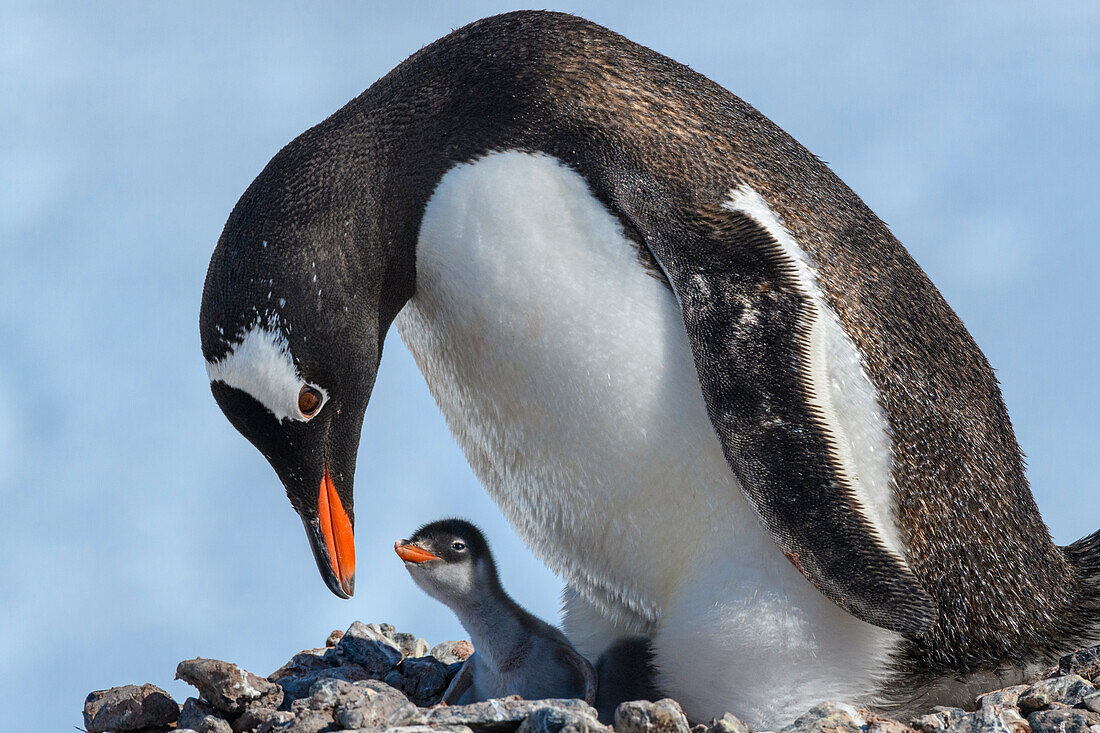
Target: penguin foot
pixel 625 672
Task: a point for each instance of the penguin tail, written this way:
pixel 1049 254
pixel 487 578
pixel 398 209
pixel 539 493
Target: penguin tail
pixel 1084 554
pixel 1084 615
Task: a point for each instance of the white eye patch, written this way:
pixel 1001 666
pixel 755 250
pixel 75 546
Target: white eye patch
pixel 261 365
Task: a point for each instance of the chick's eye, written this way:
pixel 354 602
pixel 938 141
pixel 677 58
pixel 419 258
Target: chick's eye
pixel 309 401
pixel 458 546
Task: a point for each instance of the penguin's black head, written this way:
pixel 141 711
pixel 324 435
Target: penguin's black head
pixel 299 294
pixel 450 560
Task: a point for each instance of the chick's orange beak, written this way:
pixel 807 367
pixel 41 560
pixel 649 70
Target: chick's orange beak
pixel 338 534
pixel 412 553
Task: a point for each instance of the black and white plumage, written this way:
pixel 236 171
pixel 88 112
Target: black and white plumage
pixel 515 652
pixel 697 373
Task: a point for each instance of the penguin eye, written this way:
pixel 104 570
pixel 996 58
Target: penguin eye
pixel 309 401
pixel 458 546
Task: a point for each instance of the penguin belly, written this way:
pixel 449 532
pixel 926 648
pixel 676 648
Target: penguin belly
pixel 562 367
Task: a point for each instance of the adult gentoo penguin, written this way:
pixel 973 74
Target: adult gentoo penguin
pixel 701 378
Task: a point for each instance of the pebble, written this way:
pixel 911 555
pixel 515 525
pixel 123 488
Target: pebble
pixel 1083 662
pixel 941 718
pixel 1069 689
pixel 1005 697
pixel 991 719
pixel 129 707
pixel 1066 720
pixel 556 720
pixel 450 652
pixel 230 689
pixel 369 649
pixel 505 713
pixel 829 717
pixel 642 716
pixel 253 719
pixel 728 723
pixel 197 715
pixel 425 679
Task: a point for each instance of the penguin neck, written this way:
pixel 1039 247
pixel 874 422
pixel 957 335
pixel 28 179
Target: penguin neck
pixel 497 625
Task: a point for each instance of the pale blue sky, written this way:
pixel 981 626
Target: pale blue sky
pixel 139 529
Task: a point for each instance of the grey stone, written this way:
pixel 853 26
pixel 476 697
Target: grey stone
pixel 728 723
pixel 424 679
pixel 369 649
pixel 409 645
pixel 939 719
pixel 557 720
pixel 879 724
pixel 829 717
pixel 427 729
pixel 642 716
pixel 201 717
pixel 991 719
pixel 252 719
pixel 128 707
pixel 1069 689
pixel 374 704
pixel 278 721
pixel 450 652
pixel 295 688
pixel 1005 697
pixel 1083 662
pixel 303 663
pixel 497 715
pixel 230 689
pixel 1092 702
pixel 1065 720
pixel 309 721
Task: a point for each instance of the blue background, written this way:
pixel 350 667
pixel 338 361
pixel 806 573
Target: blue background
pixel 139 529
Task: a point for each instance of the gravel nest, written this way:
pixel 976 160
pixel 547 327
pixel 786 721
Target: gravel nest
pixel 372 678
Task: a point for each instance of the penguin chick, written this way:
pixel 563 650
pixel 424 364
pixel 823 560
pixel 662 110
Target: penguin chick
pixel 515 652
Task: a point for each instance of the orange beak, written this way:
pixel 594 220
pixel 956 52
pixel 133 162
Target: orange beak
pixel 412 553
pixel 339 536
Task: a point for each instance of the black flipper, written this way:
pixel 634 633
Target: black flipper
pixel 747 316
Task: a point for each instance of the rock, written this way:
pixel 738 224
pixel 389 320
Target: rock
pixel 1083 662
pixel 295 688
pixel 373 704
pixel 369 649
pixel 301 664
pixel 450 652
pixel 991 719
pixel 129 707
pixel 1069 689
pixel 425 679
pixel 879 724
pixel 829 717
pixel 497 715
pixel 429 729
pixel 641 716
pixel 558 720
pixel 230 689
pixel 199 716
pixel 939 719
pixel 409 645
pixel 728 723
pixel 1066 720
pixel 1005 697
pixel 1092 702
pixel 253 719
pixel 334 638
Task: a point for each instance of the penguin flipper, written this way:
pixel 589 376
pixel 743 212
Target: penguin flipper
pixel 748 319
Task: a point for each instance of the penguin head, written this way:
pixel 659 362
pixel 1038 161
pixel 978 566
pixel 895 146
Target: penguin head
pixel 451 561
pixel 299 295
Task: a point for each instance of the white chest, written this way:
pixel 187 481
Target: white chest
pixel 563 370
